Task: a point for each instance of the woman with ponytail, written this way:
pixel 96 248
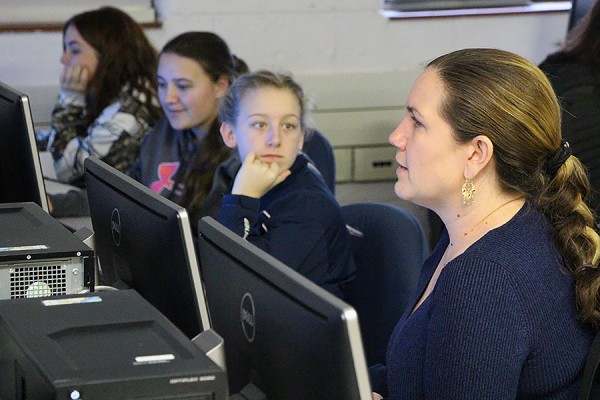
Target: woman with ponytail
pixel 179 156
pixel 507 304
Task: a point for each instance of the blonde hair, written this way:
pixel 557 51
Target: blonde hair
pixel 230 106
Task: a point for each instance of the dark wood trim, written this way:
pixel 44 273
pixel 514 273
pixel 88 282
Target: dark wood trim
pixel 57 27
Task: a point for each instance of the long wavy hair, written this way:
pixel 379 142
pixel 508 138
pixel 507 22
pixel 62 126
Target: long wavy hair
pixel 213 55
pixel 126 59
pixel 508 99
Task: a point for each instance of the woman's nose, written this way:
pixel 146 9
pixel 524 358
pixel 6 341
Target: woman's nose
pixel 170 94
pixel 64 60
pixel 274 137
pixel 397 137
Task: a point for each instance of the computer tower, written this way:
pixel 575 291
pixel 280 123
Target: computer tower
pixel 39 256
pixel 104 345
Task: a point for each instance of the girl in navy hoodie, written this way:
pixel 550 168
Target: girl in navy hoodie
pixel 279 201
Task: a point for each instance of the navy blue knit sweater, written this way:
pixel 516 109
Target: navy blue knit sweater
pixel 501 323
pixel 300 223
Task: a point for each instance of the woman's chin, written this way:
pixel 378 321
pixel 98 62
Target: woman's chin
pixel 178 124
pixel 403 192
pixel 400 190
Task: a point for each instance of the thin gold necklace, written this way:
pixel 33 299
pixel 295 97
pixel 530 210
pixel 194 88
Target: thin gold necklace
pixel 479 223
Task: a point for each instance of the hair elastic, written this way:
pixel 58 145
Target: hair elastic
pixel 557 159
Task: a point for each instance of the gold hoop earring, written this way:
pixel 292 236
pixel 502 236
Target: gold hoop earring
pixel 468 191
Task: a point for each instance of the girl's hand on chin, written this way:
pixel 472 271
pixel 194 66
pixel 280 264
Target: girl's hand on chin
pixel 255 178
pixel 74 78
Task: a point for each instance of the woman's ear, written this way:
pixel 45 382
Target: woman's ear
pixel 227 135
pixel 221 87
pixel 480 152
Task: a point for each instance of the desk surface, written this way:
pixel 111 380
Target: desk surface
pixel 53 187
pixel 76 223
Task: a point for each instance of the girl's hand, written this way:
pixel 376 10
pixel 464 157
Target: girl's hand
pixel 255 178
pixel 74 78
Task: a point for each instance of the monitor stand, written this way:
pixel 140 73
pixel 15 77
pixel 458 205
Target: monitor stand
pixel 249 392
pixel 211 344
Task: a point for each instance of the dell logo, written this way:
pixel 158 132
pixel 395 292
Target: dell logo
pixel 247 316
pixel 115 226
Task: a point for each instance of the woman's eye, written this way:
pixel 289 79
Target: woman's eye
pixel 259 124
pixel 416 123
pixel 289 127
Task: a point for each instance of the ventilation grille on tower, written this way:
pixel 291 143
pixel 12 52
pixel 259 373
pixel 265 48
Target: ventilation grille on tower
pixel 38 281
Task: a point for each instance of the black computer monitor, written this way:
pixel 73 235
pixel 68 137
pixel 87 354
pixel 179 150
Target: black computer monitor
pixel 21 178
pixel 579 9
pixel 144 241
pixel 285 335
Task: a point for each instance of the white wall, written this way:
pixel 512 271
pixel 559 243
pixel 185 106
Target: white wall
pixel 306 37
pixel 311 36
